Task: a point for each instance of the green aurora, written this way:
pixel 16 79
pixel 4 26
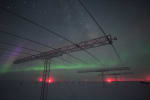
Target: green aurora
pixel 39 67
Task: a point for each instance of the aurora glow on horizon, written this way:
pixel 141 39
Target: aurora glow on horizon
pixel 33 27
pixel 6 67
pixel 54 66
pixel 127 20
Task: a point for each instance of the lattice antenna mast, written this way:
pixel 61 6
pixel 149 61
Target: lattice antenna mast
pixel 47 56
pixel 104 70
pixel 101 41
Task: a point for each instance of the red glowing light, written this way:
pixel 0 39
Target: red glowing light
pixel 109 80
pixel 148 79
pixel 50 80
pixel 40 79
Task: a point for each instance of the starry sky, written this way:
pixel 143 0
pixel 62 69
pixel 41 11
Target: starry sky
pixel 127 20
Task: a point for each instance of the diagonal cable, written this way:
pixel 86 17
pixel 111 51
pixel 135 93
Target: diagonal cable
pixel 39 43
pixel 8 50
pixel 100 27
pixel 15 45
pixel 11 44
pixel 47 29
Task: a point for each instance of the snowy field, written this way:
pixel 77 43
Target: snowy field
pixel 14 90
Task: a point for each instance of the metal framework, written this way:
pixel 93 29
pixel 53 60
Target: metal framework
pixel 46 74
pixel 104 40
pixel 115 75
pixel 104 70
pixel 47 56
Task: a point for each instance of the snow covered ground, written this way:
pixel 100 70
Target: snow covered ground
pixel 14 90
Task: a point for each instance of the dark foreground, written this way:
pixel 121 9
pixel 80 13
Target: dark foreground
pixel 13 90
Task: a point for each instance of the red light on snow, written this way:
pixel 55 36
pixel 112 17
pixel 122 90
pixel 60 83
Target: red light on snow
pixel 109 80
pixel 40 79
pixel 50 80
pixel 148 78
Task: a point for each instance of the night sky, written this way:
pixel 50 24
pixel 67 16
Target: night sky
pixel 128 20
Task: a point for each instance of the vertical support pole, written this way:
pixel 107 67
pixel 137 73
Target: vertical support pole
pixel 46 71
pixel 48 75
pixel 116 79
pixel 103 79
pixel 43 81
